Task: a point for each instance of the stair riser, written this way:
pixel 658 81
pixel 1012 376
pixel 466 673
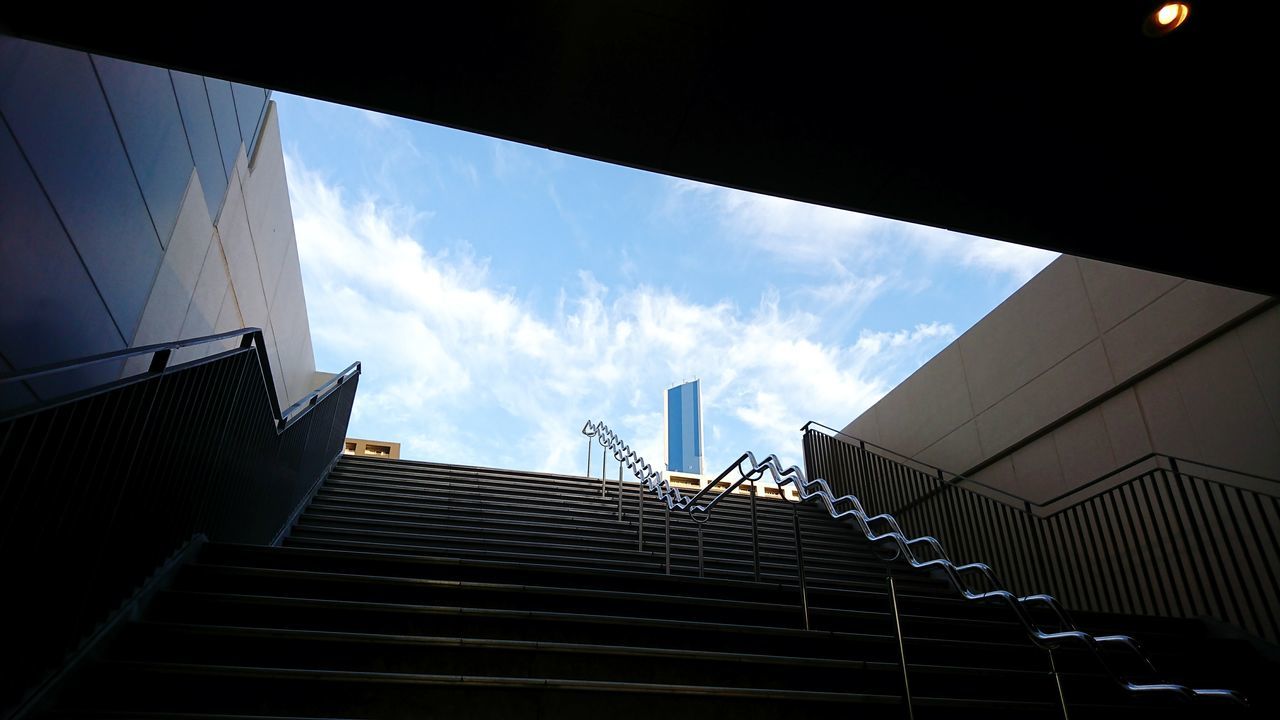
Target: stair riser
pixel 504 661
pixel 211 580
pixel 623 631
pixel 573 511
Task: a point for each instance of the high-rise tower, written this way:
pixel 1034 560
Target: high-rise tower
pixel 683 411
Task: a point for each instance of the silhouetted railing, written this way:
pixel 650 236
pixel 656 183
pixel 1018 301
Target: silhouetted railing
pixel 1154 537
pixel 98 489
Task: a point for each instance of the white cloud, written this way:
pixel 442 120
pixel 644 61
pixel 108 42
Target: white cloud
pixel 463 371
pixel 839 243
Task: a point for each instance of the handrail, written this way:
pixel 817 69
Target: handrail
pixel 1030 506
pixel 161 354
pixel 1048 639
pixel 651 479
pixel 177 447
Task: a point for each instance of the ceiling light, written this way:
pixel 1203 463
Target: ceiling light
pixel 1167 18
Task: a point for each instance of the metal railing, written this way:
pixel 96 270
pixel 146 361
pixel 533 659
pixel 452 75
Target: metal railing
pixel 98 487
pixel 884 530
pixel 1156 536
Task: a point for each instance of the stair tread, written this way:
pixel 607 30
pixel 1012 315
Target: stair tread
pixel 497 681
pixel 539 645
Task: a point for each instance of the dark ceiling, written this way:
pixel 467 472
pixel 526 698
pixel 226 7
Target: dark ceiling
pixel 1056 124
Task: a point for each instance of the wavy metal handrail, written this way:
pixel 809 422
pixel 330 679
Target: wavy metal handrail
pixel 649 478
pixel 818 488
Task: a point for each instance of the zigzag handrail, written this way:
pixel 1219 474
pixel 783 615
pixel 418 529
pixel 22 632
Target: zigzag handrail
pixel 652 480
pixel 818 488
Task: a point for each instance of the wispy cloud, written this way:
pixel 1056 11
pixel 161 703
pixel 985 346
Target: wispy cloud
pixel 460 369
pixel 839 243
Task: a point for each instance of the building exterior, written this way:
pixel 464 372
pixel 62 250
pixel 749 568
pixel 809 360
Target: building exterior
pixel 686 471
pixel 689 483
pixel 140 205
pixel 371 448
pixel 1087 367
pixel 682 413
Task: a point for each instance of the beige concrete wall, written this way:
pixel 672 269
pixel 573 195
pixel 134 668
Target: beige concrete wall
pixel 1079 331
pixel 693 482
pixel 384 449
pixel 238 270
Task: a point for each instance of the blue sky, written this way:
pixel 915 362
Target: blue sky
pixel 499 295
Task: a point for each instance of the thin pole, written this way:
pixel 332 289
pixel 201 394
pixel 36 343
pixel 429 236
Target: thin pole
pixel 902 654
pixel 804 592
pixel 1057 679
pixel 700 572
pixel 588 456
pixel 755 537
pixel 667 533
pixel 604 491
pixel 619 491
pixel 640 499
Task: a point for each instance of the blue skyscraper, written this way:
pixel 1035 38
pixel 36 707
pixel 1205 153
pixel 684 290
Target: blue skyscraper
pixel 683 408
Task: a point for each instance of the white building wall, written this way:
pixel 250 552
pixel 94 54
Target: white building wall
pixel 1106 346
pixel 218 276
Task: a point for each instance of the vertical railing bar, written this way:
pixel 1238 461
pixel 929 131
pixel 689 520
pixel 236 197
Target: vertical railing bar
pixel 1075 555
pixel 804 591
pixel 1170 600
pixel 1063 558
pixel 1153 600
pixel 902 650
pixel 996 516
pixel 755 537
pixel 604 490
pixel 1130 557
pixel 1228 561
pixel 1057 680
pixel 1202 550
pixel 1094 567
pixel 1252 582
pixel 700 567
pixel 1198 592
pixel 588 456
pixel 619 491
pixel 667 533
pixel 1253 515
pixel 640 501
pixel 1110 537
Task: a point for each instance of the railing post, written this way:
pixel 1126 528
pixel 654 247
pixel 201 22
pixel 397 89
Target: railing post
pixel 640 499
pixel 902 653
pixel 1057 679
pixel 588 456
pixel 619 491
pixel 755 536
pixel 804 591
pixel 700 571
pixel 667 533
pixel 604 491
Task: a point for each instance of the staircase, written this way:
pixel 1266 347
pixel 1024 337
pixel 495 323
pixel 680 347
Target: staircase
pixel 419 590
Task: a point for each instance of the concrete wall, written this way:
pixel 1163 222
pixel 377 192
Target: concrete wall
pixel 139 205
pixel 1079 331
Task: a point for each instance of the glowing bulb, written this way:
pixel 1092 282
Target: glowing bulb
pixel 1171 15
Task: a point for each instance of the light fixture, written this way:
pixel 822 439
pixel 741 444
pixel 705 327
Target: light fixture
pixel 1166 18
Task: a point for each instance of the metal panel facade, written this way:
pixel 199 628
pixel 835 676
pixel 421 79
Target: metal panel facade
pixel 684 427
